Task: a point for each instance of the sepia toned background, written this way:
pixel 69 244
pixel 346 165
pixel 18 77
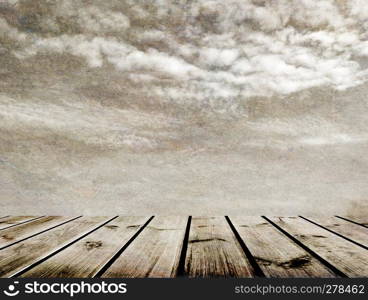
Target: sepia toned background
pixel 184 107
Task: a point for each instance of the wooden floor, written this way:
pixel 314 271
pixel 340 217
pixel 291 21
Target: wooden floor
pixel 171 246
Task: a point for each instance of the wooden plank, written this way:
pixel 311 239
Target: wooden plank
pixel 362 220
pixel 347 257
pixel 276 254
pixel 17 233
pixel 23 254
pixel 87 256
pixel 12 221
pixel 213 250
pixel 154 253
pixel 351 231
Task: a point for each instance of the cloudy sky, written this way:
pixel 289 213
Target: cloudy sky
pixel 243 106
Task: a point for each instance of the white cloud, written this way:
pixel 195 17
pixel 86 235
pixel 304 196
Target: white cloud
pixel 218 57
pixel 240 48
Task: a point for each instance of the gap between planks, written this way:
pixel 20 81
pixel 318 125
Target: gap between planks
pixel 275 253
pixel 33 267
pixel 9 222
pixel 14 235
pixel 214 250
pixel 358 221
pixel 85 256
pixel 154 252
pixel 357 234
pixel 350 259
pixel 184 245
pixel 25 253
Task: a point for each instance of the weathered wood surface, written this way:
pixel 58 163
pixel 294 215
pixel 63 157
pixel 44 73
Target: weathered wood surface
pixel 350 230
pixel 13 221
pixel 173 246
pixel 17 233
pixel 154 253
pixel 276 254
pixel 362 220
pixel 87 256
pixel 23 254
pixel 213 250
pixel 349 258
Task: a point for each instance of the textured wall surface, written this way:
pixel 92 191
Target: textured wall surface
pixel 184 107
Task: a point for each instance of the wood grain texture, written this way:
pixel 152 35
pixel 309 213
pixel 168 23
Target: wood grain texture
pixel 12 221
pixel 350 230
pixel 213 250
pixel 86 257
pixel 21 255
pixel 277 255
pixel 363 220
pixel 154 253
pixel 344 255
pixel 17 233
pixel 123 247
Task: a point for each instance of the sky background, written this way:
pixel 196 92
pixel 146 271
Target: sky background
pixel 184 107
